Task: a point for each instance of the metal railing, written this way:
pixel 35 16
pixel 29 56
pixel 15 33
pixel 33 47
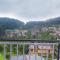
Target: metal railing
pixel 30 50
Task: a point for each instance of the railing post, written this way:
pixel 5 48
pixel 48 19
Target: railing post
pixel 23 51
pixel 29 52
pixel 35 52
pixel 10 51
pixel 4 52
pixel 41 53
pixel 17 51
pixel 53 52
pixel 47 55
pixel 58 58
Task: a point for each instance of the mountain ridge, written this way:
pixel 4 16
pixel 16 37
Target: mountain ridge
pixel 10 23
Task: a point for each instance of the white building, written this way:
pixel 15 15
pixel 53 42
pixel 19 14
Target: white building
pixel 23 32
pixel 44 29
pixel 11 33
pixel 35 31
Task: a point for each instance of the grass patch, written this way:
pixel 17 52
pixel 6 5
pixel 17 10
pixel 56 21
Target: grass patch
pixel 1 56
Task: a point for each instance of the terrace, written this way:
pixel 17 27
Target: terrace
pixel 14 49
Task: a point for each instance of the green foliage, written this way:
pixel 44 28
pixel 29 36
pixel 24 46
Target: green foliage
pixel 1 48
pixel 1 56
pixel 47 36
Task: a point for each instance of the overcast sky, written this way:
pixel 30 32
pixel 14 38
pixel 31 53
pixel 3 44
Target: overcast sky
pixel 30 10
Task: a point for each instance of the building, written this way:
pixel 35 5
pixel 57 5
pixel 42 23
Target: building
pixel 16 33
pixel 11 33
pixel 52 29
pixel 44 29
pixel 23 32
pixel 40 50
pixel 58 31
pixel 35 31
pixel 44 50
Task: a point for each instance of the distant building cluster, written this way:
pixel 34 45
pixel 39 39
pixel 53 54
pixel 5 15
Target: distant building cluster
pixel 16 33
pixel 33 32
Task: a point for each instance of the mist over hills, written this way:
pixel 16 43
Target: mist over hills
pixel 9 23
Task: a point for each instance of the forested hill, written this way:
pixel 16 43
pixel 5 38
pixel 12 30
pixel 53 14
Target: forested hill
pixel 54 21
pixel 8 23
pixel 50 22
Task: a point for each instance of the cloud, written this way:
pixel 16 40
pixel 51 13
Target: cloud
pixel 31 9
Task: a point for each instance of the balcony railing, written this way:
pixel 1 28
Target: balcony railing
pixel 29 49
